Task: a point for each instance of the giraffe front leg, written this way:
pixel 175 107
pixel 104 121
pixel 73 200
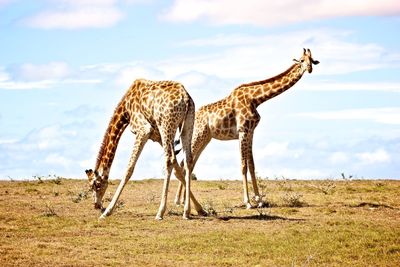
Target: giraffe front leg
pixel 250 161
pixel 138 147
pixel 243 143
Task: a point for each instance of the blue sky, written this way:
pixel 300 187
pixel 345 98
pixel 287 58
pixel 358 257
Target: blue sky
pixel 65 64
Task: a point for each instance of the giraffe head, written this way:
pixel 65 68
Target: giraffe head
pixel 98 185
pixel 306 61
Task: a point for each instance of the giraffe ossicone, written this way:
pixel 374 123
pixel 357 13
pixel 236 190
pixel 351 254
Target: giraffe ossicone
pixel 236 117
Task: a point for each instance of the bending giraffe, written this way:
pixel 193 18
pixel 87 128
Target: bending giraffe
pixel 154 110
pixel 236 117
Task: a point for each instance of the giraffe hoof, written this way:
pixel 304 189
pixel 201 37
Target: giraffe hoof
pixel 262 204
pixel 249 206
pixel 105 213
pixel 202 213
pixel 257 199
pixel 186 217
pixel 158 217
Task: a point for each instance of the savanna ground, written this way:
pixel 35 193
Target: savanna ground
pixel 308 223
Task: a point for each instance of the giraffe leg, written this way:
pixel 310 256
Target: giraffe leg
pixel 140 141
pixel 250 162
pixel 169 162
pixel 178 194
pixel 244 145
pixel 201 139
pixel 163 204
pixel 179 173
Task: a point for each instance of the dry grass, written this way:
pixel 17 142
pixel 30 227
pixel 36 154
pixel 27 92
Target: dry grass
pixel 308 223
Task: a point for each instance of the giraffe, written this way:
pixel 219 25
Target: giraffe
pixel 236 117
pixel 154 110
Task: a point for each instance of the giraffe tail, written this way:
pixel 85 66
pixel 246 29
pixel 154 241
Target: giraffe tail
pixel 176 143
pixel 186 127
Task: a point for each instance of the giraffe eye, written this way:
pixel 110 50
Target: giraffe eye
pixel 301 60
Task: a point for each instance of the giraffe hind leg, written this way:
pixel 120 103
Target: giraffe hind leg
pixel 168 169
pixel 200 140
pixel 244 146
pixel 257 197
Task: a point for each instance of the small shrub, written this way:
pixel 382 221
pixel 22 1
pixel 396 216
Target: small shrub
pixel 57 180
pixel 326 187
pixel 263 212
pixel 80 196
pixel 53 178
pixel 348 178
pixel 221 187
pixel 293 199
pixel 209 208
pixel 38 178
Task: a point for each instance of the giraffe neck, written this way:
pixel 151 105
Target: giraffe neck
pixel 118 123
pixel 272 87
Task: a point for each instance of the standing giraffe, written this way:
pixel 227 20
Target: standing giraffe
pixel 154 110
pixel 236 117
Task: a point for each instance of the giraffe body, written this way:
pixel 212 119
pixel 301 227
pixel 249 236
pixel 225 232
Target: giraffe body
pixel 236 117
pixel 154 110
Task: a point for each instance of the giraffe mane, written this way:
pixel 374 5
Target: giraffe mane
pixel 270 79
pixel 106 136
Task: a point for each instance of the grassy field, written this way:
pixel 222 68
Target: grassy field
pixel 308 223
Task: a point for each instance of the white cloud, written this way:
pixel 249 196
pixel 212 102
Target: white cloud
pixel 102 67
pixel 7 141
pixel 38 72
pixel 45 84
pixel 278 149
pixel 41 76
pixel 338 158
pixel 57 159
pixel 17 85
pixel 375 157
pixel 224 40
pixel 271 13
pixel 239 56
pixel 193 79
pixel 129 73
pixel 352 86
pixel 69 14
pixel 4 76
pixel 379 115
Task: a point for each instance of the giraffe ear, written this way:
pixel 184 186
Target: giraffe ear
pixel 295 60
pixel 315 62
